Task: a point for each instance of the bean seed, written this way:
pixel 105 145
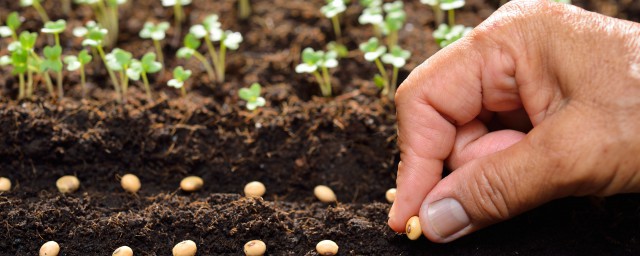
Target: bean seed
pixel 254 189
pixel 130 183
pixel 391 195
pixel 255 248
pixel 50 248
pixel 185 248
pixel 327 247
pixel 68 184
pixel 123 251
pixel 413 228
pixel 5 184
pixel 324 194
pixel 191 183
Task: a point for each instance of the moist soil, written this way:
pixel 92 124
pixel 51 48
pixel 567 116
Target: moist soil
pixel 297 141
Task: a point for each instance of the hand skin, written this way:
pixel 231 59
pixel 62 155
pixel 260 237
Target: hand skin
pixel 572 76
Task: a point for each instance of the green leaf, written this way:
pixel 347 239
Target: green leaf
pixel 54 27
pixel 28 40
pixel 149 63
pixel 185 53
pixel 255 89
pixel 72 63
pixel 153 31
pixel 13 21
pixel 180 74
pixel 52 59
pixel 211 22
pixel 52 52
pixel 19 60
pixel 342 50
pixel 245 94
pixel 191 42
pixel 84 57
pixel 379 81
pixel 135 70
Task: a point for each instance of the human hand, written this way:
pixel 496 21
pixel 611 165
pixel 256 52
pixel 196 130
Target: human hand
pixel 571 74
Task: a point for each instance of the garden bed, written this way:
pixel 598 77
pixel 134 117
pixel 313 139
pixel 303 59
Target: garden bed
pixel 297 141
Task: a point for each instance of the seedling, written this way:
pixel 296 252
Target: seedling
pixel 211 31
pixel 446 35
pixel 123 251
pixel 255 248
pixel 435 6
pixel 156 33
pixel 373 50
pixel 185 248
pixel 51 248
pixel 68 184
pixel 119 61
pixel 393 21
pixel 94 36
pixel 315 62
pixel 11 28
pixel 190 49
pixel 106 12
pixel 24 62
pixel 254 189
pixel 180 75
pixel 324 194
pixel 131 184
pixel 332 10
pixel 36 5
pixel 78 63
pixel 450 6
pixel 146 65
pixel 53 55
pixel 397 57
pixel 252 96
pixel 372 14
pixel 178 14
pixel 244 9
pixel 5 184
pixel 327 247
pixel 413 228
pixel 191 184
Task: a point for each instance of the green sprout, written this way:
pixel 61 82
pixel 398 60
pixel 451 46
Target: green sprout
pixel 211 32
pixel 373 50
pixel 78 63
pixel 244 9
pixel 178 13
pixel 332 10
pixel 156 33
pixel 450 6
pixel 11 29
pixel 146 65
pixel 106 12
pixel 372 14
pixel 19 60
pixel 94 36
pixel 119 61
pixel 53 62
pixel 190 49
pixel 36 5
pixel 252 96
pixel 313 61
pixel 25 61
pixel 393 21
pixel 446 35
pixel 435 6
pixel 55 28
pixel 397 57
pixel 180 75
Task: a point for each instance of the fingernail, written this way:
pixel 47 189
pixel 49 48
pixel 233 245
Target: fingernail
pixel 447 217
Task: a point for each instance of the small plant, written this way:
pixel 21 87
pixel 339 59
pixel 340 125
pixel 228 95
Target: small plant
pixel 146 65
pixel 244 9
pixel 315 62
pixel 106 12
pixel 53 55
pixel 190 49
pixel 252 96
pixel 446 35
pixel 393 21
pixel 78 63
pixel 155 32
pixel 450 6
pixel 332 10
pixel 24 62
pixel 180 75
pixel 119 61
pixel 373 50
pixel 372 14
pixel 397 57
pixel 12 25
pixel 94 36
pixel 211 32
pixel 36 5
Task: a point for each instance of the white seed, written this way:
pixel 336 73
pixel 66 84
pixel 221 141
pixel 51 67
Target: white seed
pixel 391 195
pixel 50 248
pixel 324 194
pixel 123 251
pixel 255 248
pixel 130 183
pixel 185 248
pixel 191 183
pixel 68 184
pixel 5 184
pixel 413 228
pixel 327 247
pixel 254 189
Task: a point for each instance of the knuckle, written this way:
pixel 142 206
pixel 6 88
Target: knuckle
pixel 490 190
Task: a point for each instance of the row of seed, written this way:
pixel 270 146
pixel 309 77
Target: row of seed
pixel 189 248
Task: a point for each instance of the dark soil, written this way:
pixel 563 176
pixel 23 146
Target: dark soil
pixel 296 142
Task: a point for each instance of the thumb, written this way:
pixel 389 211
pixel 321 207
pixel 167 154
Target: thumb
pixel 493 188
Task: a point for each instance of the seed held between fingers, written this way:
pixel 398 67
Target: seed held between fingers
pixel 327 247
pixel 255 248
pixel 5 184
pixel 254 189
pixel 324 194
pixel 191 183
pixel 68 184
pixel 123 251
pixel 391 195
pixel 50 248
pixel 413 228
pixel 130 183
pixel 185 248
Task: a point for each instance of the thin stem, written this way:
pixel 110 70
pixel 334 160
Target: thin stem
pixel 111 74
pixel 321 83
pixel 83 81
pixel 146 86
pixel 21 87
pixel 57 37
pixel 327 82
pixel 394 81
pixel 158 47
pixel 206 64
pixel 48 83
pixel 452 18
pixel 212 52
pixel 244 8
pixel 124 79
pixel 115 26
pixel 439 15
pixel 177 12
pixel 41 11
pixel 222 67
pixel 29 83
pixel 392 39
pixel 183 91
pixel 336 28
pixel 60 89
pixel 383 72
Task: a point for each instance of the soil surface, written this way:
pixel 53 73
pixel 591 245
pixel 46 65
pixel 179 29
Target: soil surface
pixel 294 143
